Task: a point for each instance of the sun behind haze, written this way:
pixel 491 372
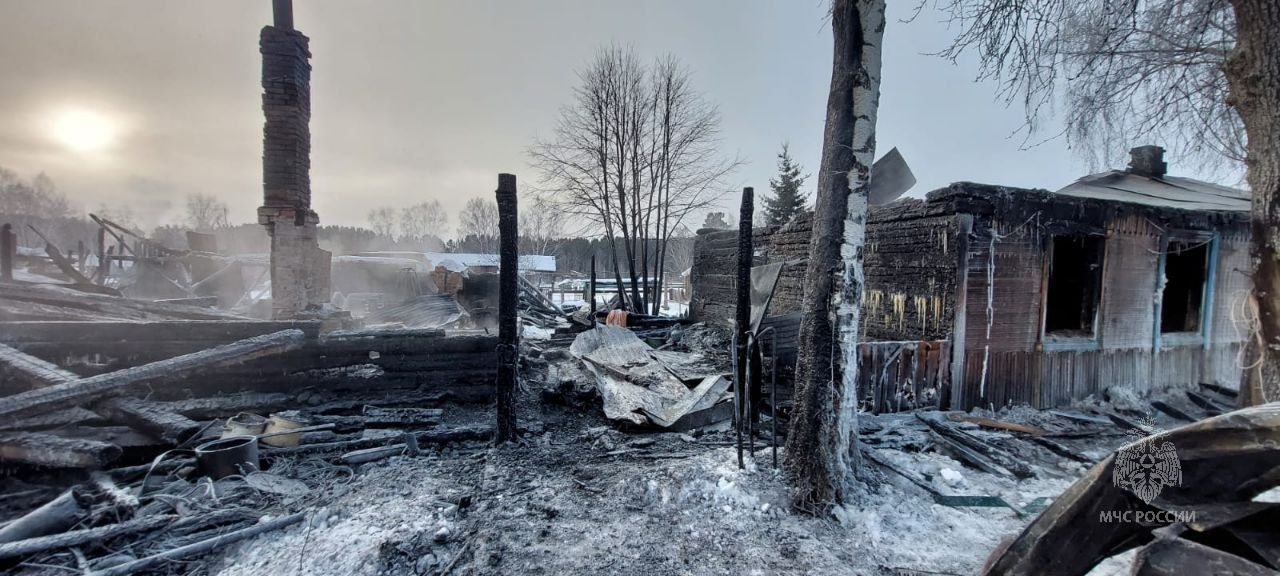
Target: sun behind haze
pixel 84 130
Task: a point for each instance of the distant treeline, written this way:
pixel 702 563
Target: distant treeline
pixel 572 254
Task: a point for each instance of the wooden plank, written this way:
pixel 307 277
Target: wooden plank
pixel 25 372
pixel 40 449
pixel 998 424
pixel 148 417
pixel 216 331
pixel 93 388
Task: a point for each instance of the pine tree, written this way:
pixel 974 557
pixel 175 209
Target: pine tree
pixel 788 199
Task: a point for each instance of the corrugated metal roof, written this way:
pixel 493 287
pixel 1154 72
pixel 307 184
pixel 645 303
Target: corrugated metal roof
pixel 1166 192
pixel 460 261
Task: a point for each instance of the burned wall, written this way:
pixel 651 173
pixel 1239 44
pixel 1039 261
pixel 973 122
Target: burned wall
pixel 715 262
pixel 910 265
pixel 1008 356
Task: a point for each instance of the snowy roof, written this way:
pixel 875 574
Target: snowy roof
pixel 461 261
pixel 1165 192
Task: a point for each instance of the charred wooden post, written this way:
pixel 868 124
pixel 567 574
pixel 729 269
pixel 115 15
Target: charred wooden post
pixel 282 14
pixel 104 265
pixel 591 292
pixel 507 285
pixel 742 318
pixel 8 251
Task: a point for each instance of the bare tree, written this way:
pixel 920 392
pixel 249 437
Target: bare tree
pixel 1120 73
pixel 383 222
pixel 205 212
pixel 540 226
pixel 38 197
pixel 1173 69
pixel 821 446
pixel 423 220
pixel 478 225
pixel 634 155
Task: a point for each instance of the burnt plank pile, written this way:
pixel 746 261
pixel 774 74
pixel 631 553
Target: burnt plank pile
pixel 91 414
pixel 87 394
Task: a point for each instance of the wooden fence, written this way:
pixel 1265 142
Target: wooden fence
pixel 898 376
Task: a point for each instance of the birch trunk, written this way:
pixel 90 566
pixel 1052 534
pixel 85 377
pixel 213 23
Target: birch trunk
pixel 1253 72
pixel 821 449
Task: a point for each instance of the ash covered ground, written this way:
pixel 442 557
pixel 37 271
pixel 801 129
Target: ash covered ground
pixel 582 496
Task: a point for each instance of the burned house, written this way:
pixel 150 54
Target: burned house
pixel 985 295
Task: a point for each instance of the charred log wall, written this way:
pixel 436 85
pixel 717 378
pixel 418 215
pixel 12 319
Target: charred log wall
pixel 421 359
pixel 910 265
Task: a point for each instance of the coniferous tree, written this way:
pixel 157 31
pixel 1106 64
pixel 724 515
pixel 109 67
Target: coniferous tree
pixel 788 198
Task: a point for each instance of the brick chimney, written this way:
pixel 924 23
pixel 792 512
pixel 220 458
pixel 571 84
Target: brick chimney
pixel 1147 161
pixel 299 268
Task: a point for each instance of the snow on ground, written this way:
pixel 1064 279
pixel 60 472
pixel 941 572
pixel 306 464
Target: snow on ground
pixel 562 504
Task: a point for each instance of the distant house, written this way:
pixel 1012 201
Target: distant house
pixel 1125 278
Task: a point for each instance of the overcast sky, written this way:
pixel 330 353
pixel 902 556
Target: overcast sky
pixel 141 102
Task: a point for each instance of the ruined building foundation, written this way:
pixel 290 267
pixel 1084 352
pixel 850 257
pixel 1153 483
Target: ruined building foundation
pixel 299 268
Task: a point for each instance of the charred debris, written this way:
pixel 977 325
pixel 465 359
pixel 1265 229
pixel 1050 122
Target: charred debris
pixel 158 403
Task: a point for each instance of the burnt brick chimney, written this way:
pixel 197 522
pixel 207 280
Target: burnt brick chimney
pixel 1147 161
pixel 299 268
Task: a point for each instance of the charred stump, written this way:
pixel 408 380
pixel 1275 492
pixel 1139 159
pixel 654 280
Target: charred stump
pixel 508 270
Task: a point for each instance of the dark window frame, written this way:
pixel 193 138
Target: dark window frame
pixel 1096 293
pixel 1196 240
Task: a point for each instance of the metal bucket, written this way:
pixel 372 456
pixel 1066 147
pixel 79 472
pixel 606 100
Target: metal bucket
pixel 283 422
pixel 230 456
pixel 244 424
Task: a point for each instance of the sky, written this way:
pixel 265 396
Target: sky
pixel 138 103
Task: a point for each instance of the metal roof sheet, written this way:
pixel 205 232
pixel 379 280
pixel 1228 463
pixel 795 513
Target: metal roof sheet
pixel 1166 192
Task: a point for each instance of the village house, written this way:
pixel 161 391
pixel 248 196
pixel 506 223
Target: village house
pixel 985 295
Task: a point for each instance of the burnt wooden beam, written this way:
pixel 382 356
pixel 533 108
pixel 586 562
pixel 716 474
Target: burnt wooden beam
pixel 441 436
pixel 39 544
pixel 383 418
pixel 148 417
pixel 211 331
pixel 1172 412
pixel 54 516
pixel 508 282
pixel 48 450
pixel 201 547
pixel 23 371
pixel 100 306
pixel 59 419
pixel 223 406
pixel 93 388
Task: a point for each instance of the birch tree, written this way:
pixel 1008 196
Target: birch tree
pixel 821 452
pixel 1203 75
